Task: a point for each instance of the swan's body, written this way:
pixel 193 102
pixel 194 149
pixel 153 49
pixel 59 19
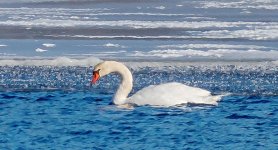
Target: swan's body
pixel 173 93
pixel 169 94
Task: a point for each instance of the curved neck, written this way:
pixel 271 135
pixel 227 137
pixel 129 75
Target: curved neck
pixel 126 83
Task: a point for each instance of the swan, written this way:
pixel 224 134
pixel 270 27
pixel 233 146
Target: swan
pixel 165 95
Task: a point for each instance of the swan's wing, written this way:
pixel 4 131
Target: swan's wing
pixel 168 94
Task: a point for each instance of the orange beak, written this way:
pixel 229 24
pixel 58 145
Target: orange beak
pixel 95 77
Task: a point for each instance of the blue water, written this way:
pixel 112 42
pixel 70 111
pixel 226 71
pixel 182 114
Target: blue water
pixel 41 111
pixel 86 120
pixel 48 50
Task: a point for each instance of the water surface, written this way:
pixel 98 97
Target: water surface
pixel 48 49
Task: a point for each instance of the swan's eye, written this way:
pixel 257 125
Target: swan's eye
pixel 97 71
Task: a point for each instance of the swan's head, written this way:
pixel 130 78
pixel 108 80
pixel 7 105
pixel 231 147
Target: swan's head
pixel 100 70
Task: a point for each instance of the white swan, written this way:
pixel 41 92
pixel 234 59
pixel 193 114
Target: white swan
pixel 169 94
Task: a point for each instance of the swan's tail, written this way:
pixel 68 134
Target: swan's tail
pixel 214 99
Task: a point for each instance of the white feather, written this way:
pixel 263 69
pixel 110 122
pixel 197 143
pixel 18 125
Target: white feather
pixel 173 93
pixel 168 94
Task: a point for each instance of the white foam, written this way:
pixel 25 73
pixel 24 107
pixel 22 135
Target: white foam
pixel 88 60
pixel 40 50
pixel 144 14
pixel 212 46
pixel 60 61
pixel 200 18
pixel 254 4
pixel 2 45
pixel 207 65
pixel 223 34
pixel 225 54
pixel 68 12
pixel 74 17
pixel 48 45
pixel 160 7
pixel 254 32
pixel 112 45
pixel 120 36
pixel 133 23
